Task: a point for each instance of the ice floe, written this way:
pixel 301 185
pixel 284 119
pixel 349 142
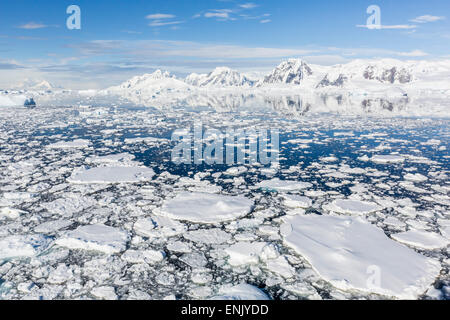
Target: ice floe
pixel 422 239
pixel 350 253
pixel 107 175
pixel 353 207
pixel 283 185
pixel 205 207
pixel 95 237
pixel 22 246
pixel 240 292
pixel 387 159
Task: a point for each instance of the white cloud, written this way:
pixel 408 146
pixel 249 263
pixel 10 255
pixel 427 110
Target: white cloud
pixel 249 5
pixel 158 23
pixel 160 16
pixel 414 53
pixel 32 26
pixel 398 26
pixel 427 18
pixel 223 14
pixel 266 21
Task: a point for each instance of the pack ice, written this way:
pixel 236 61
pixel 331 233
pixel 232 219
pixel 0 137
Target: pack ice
pixel 349 251
pixel 206 207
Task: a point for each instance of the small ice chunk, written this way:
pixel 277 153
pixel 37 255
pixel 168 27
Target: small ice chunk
pixel 52 226
pixel 277 185
pixel 354 207
pixel 107 175
pixel 415 177
pixel 75 144
pixel 208 236
pixel 23 246
pixel 384 159
pixel 281 267
pixel 143 256
pixel 294 201
pixel 11 213
pixel 95 237
pixel 104 293
pixel 243 253
pixel 240 292
pixel 205 207
pixel 351 253
pixel 158 227
pixel 422 239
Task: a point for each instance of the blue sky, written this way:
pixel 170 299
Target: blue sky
pixel 119 39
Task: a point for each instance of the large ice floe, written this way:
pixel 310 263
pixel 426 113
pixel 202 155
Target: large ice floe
pixel 106 175
pixel 95 237
pixel 205 207
pixel 351 253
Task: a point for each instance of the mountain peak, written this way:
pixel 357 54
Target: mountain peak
pixel 219 77
pixel 291 71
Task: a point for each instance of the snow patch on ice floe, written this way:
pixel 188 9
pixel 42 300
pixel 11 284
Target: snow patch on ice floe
pixel 205 207
pixel 96 238
pixel 240 292
pixel 353 207
pixel 346 251
pixel 23 246
pixel 422 239
pixel 107 175
pixel 283 185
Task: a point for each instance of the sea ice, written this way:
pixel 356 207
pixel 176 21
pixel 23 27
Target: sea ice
pixel 422 239
pixel 208 236
pixel 95 237
pixel 106 175
pixel 240 292
pixel 242 253
pixel 387 159
pixel 205 207
pixel 80 143
pixel 351 253
pixel 283 185
pixel 10 213
pixel 23 246
pixel 294 201
pixel 354 207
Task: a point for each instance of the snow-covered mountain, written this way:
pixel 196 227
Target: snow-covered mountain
pixel 291 72
pixel 157 88
pixel 220 77
pixel 372 85
pixel 35 85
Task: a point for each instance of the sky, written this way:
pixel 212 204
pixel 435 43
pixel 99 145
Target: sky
pixel 122 38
